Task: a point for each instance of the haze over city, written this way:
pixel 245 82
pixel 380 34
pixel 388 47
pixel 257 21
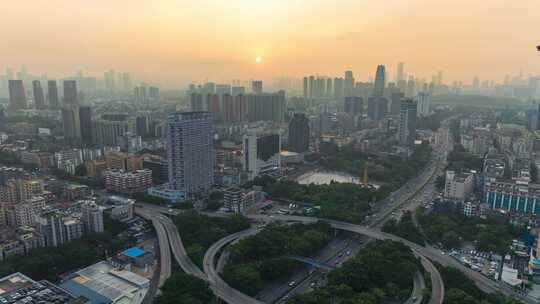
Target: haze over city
pixel 270 152
pixel 174 42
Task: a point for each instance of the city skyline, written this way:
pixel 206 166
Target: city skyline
pixel 266 39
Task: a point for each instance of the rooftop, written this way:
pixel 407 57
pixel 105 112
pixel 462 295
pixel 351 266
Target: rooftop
pixel 18 288
pixel 102 283
pixel 133 252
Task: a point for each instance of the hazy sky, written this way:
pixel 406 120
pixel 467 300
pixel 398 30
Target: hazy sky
pixel 175 41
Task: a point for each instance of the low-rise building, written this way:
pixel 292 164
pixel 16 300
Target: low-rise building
pixel 94 168
pixel 120 208
pixel 17 288
pixel 458 186
pixel 513 196
pixel 128 182
pixel 74 192
pixel 104 283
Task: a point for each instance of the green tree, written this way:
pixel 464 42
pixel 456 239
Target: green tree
pixel 80 170
pixel 184 288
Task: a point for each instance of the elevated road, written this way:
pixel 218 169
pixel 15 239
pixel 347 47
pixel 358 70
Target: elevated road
pixel 179 251
pixel 232 295
pixel 218 285
pixel 163 242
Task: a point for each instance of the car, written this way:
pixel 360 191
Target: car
pixel 292 283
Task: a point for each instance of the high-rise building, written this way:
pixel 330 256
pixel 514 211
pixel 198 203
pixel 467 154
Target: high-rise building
pixel 424 102
pixel 52 94
pixel 257 86
pixel 140 94
pixel 261 154
pixel 329 89
pixel 266 107
pixel 348 83
pixel 410 92
pixel 400 75
pixel 196 100
pixel 153 94
pixel 110 83
pixel 299 133
pixel 407 122
pixel 17 95
pixel 306 87
pixel 240 108
pixel 353 105
pixel 338 87
pixel 190 152
pixel 227 110
pixel 39 96
pixel 71 95
pixel 50 224
pixel 380 81
pixel 237 90
pixel 108 130
pixel 92 217
pixel 85 121
pixel 538 117
pixel 377 108
pixel 126 82
pixel 395 105
pixel 71 122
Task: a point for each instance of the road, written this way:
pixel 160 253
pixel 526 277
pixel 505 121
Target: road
pixel 164 249
pixel 407 197
pixel 419 285
pixel 232 295
pixel 217 284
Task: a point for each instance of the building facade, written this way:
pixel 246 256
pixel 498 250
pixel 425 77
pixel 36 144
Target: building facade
pixel 190 152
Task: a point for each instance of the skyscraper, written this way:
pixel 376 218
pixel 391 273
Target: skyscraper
pixel 52 93
pixel 39 96
pixel 190 152
pixel 377 107
pixel 109 78
pixel 140 95
pixel 153 94
pixel 126 81
pixel 85 120
pixel 71 122
pixel 353 105
pixel 338 87
pixel 196 100
pixel 395 105
pixel 70 92
pixel 348 83
pixel 17 95
pixel 257 86
pixel 306 87
pixel 329 89
pixel 424 102
pixel 380 79
pixel 400 75
pixel 311 83
pixel 299 133
pixel 407 122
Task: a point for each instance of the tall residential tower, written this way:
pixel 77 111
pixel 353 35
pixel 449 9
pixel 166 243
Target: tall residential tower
pixel 190 152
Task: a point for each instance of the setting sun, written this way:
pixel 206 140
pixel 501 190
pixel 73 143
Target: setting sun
pixel 258 59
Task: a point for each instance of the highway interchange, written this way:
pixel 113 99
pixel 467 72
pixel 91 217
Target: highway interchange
pixel 411 193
